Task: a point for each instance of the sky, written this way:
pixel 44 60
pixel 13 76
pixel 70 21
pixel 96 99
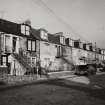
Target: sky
pixel 84 19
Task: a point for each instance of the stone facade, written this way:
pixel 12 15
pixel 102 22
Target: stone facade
pixel 22 51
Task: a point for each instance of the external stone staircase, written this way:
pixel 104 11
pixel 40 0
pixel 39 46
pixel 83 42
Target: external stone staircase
pixel 23 61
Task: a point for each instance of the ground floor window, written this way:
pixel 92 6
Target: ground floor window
pixel 4 60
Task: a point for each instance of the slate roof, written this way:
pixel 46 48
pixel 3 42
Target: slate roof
pixel 51 37
pixel 35 33
pixel 9 27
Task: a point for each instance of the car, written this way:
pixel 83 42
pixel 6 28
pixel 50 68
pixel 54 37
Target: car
pixel 88 69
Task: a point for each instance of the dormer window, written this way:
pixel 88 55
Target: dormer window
pixel 87 47
pixel 69 41
pixel 94 49
pixel 25 29
pixel 100 51
pixel 76 44
pixel 84 46
pixel 62 40
pixel 44 34
pixel 81 45
pixel 91 48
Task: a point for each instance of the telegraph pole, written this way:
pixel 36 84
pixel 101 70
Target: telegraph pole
pixel 95 51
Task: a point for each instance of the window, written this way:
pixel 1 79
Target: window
pixel 91 48
pixel 76 44
pixel 44 35
pixel 70 42
pixel 4 60
pixel 37 46
pixel 31 45
pixel 25 30
pixel 84 46
pixel 81 45
pixel 59 51
pixel 87 47
pixel 94 49
pixel 8 44
pixel 62 40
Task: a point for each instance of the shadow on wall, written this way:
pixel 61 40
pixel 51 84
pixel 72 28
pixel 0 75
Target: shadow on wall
pixel 60 64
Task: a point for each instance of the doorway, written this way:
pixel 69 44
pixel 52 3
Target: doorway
pixel 14 44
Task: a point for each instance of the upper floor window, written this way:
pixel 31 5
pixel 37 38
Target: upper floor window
pixel 31 45
pixel 69 41
pixel 76 44
pixel 91 48
pixel 44 34
pixel 81 45
pixel 62 40
pixel 84 46
pixel 94 49
pixel 25 29
pixel 87 47
pixel 59 51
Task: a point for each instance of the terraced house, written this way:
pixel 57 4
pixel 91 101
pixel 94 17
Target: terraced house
pixel 19 51
pixel 23 49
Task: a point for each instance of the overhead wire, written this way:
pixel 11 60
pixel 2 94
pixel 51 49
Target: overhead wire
pixel 42 4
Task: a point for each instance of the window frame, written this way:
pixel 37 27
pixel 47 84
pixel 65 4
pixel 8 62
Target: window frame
pixel 25 29
pixel 31 45
pixel 59 51
pixel 44 34
pixel 6 62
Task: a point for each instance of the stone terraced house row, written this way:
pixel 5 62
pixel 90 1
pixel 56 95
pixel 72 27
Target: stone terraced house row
pixel 23 49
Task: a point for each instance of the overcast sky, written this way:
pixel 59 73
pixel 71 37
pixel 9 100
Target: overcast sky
pixel 81 18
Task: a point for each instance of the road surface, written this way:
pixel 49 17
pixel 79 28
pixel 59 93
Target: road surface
pixel 68 91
